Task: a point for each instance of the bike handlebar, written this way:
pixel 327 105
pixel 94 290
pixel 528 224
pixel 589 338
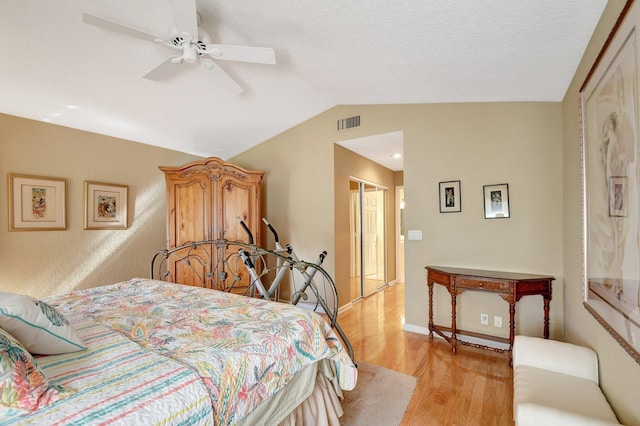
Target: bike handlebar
pixel 271 228
pixel 246 229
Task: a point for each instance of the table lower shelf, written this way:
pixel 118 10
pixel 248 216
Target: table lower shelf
pixel 441 330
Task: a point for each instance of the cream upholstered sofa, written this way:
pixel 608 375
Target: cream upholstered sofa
pixel 556 383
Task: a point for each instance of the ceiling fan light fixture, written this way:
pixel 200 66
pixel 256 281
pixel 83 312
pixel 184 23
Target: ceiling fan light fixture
pixel 189 53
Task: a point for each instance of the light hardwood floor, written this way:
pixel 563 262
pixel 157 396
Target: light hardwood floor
pixel 473 387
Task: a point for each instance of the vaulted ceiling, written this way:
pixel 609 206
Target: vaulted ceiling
pixel 58 69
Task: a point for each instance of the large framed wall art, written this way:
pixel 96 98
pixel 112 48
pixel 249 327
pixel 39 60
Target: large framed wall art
pixel 611 182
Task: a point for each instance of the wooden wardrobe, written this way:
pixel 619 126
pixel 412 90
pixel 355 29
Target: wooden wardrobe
pixel 204 199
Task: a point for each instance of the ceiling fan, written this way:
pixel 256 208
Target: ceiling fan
pixel 193 43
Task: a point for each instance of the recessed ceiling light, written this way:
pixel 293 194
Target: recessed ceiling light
pixel 396 156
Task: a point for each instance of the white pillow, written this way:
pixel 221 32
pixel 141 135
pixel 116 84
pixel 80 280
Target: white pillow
pixel 39 327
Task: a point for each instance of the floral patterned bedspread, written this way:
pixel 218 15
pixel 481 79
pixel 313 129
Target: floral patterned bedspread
pixel 244 349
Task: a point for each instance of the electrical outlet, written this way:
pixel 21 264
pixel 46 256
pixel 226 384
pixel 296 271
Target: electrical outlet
pixel 484 319
pixel 497 321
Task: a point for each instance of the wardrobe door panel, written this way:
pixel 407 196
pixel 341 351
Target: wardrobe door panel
pixel 238 199
pixel 191 212
pixel 190 220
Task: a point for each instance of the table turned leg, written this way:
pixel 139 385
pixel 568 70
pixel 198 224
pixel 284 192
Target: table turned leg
pixel 546 317
pixel 430 286
pixel 512 329
pixel 454 340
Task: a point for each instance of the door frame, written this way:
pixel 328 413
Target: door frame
pixel 385 231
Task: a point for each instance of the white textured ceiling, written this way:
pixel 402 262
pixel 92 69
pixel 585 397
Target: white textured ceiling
pixel 54 67
pixel 385 149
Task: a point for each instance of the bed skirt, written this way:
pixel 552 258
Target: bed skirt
pixel 304 401
pixel 322 407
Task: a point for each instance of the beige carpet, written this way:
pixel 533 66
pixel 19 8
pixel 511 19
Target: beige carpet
pixel 380 398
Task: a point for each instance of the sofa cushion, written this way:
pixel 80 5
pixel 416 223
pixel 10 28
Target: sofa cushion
pixel 561 357
pixel 543 397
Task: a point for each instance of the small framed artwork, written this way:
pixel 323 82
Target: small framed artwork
pixel 105 205
pixel 618 196
pixel 450 197
pixel 37 203
pixel 496 201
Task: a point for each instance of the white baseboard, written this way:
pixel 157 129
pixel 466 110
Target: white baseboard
pixel 415 329
pixel 345 307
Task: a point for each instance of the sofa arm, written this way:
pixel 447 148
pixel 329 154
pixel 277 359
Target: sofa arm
pixel 561 357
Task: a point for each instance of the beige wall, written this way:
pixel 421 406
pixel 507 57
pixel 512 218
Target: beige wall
pixel 481 144
pixel 619 374
pixel 297 188
pixel 398 178
pixel 42 263
pixel 515 143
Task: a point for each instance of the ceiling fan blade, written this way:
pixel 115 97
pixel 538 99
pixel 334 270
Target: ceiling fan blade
pixel 222 77
pixel 185 16
pixel 110 25
pixel 167 69
pixel 260 55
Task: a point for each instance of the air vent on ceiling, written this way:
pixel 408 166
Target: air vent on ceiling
pixel 349 123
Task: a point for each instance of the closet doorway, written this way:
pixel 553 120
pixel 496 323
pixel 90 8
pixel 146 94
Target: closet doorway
pixel 368 225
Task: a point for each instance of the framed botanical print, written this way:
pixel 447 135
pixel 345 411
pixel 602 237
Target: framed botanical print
pixel 37 203
pixel 105 205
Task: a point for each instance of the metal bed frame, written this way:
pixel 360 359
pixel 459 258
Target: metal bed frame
pixel 225 262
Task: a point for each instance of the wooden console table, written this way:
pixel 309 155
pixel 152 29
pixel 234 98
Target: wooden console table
pixel 510 286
